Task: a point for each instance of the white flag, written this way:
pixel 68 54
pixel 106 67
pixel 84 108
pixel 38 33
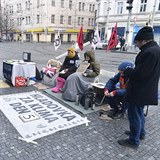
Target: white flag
pixel 96 38
pixel 57 41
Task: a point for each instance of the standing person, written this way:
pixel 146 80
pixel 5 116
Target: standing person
pixel 116 95
pixel 69 66
pixel 122 42
pixel 142 88
pixel 78 83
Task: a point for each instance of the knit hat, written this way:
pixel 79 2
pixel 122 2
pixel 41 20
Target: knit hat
pixel 144 33
pixel 72 54
pixel 125 65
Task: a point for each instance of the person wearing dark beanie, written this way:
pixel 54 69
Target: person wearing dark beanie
pixel 145 33
pixel 142 88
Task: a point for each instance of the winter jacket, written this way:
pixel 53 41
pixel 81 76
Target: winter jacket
pixel 111 85
pixel 142 88
pixel 94 65
pixel 71 64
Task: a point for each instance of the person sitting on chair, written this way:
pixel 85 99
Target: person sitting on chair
pixel 69 66
pixel 116 96
pixel 79 83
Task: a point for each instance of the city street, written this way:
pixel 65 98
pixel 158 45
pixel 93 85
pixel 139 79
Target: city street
pixel 97 141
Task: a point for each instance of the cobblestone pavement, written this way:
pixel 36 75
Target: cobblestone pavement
pixel 98 141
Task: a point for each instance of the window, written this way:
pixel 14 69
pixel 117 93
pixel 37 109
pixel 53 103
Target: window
pixel 61 19
pixel 27 5
pixel 29 20
pixel 19 8
pixel 26 20
pixel 38 19
pixel 159 7
pixel 70 4
pixel 92 23
pixel 79 6
pixel 82 20
pixel 79 20
pixel 69 20
pixel 62 3
pixel 90 8
pixel 52 18
pixel 83 5
pixel 93 8
pixel 143 5
pixel 53 2
pixel 119 7
pixel 89 21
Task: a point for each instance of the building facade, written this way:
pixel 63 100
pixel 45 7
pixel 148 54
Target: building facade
pixel 40 20
pixel 144 12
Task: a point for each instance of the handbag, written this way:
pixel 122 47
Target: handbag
pixel 20 81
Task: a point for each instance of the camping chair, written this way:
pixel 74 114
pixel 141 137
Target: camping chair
pixel 100 82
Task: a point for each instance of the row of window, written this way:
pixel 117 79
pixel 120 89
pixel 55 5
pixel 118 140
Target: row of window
pixel 80 20
pixel 81 6
pixel 143 6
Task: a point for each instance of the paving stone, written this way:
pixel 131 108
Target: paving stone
pixel 98 141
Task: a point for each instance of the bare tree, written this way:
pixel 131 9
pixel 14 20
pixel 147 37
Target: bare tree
pixel 6 22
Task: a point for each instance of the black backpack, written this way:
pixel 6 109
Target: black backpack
pixel 87 100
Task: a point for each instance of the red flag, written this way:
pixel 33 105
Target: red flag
pixel 113 41
pixel 80 38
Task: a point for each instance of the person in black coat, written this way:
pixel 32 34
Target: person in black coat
pixel 142 88
pixel 69 66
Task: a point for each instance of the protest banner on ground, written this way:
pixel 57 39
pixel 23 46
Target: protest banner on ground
pixel 35 115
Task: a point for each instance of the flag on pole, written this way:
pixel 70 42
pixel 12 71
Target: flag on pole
pixel 57 41
pixel 113 41
pixel 80 38
pixel 96 39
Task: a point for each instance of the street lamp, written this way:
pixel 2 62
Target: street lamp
pixel 153 13
pixel 107 21
pixel 129 8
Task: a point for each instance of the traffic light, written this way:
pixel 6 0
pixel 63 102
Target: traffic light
pixel 130 4
pixel 129 1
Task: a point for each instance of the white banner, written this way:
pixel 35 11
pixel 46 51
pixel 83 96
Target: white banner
pixel 35 115
pixel 96 39
pixel 57 41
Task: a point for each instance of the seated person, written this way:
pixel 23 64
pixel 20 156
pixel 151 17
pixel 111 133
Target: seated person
pixel 69 66
pixel 79 83
pixel 116 96
pixel 51 68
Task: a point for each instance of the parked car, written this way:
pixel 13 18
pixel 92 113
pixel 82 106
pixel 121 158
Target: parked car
pixel 102 45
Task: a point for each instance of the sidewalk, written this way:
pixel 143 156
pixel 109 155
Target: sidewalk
pixel 97 141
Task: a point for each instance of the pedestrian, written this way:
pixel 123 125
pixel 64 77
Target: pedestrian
pixel 142 88
pixel 69 66
pixel 122 42
pixel 79 83
pixel 115 90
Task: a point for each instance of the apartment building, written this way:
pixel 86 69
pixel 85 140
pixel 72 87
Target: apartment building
pixel 144 12
pixel 40 20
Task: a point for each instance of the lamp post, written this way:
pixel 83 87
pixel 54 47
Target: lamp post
pixel 107 20
pixel 129 8
pixel 153 13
